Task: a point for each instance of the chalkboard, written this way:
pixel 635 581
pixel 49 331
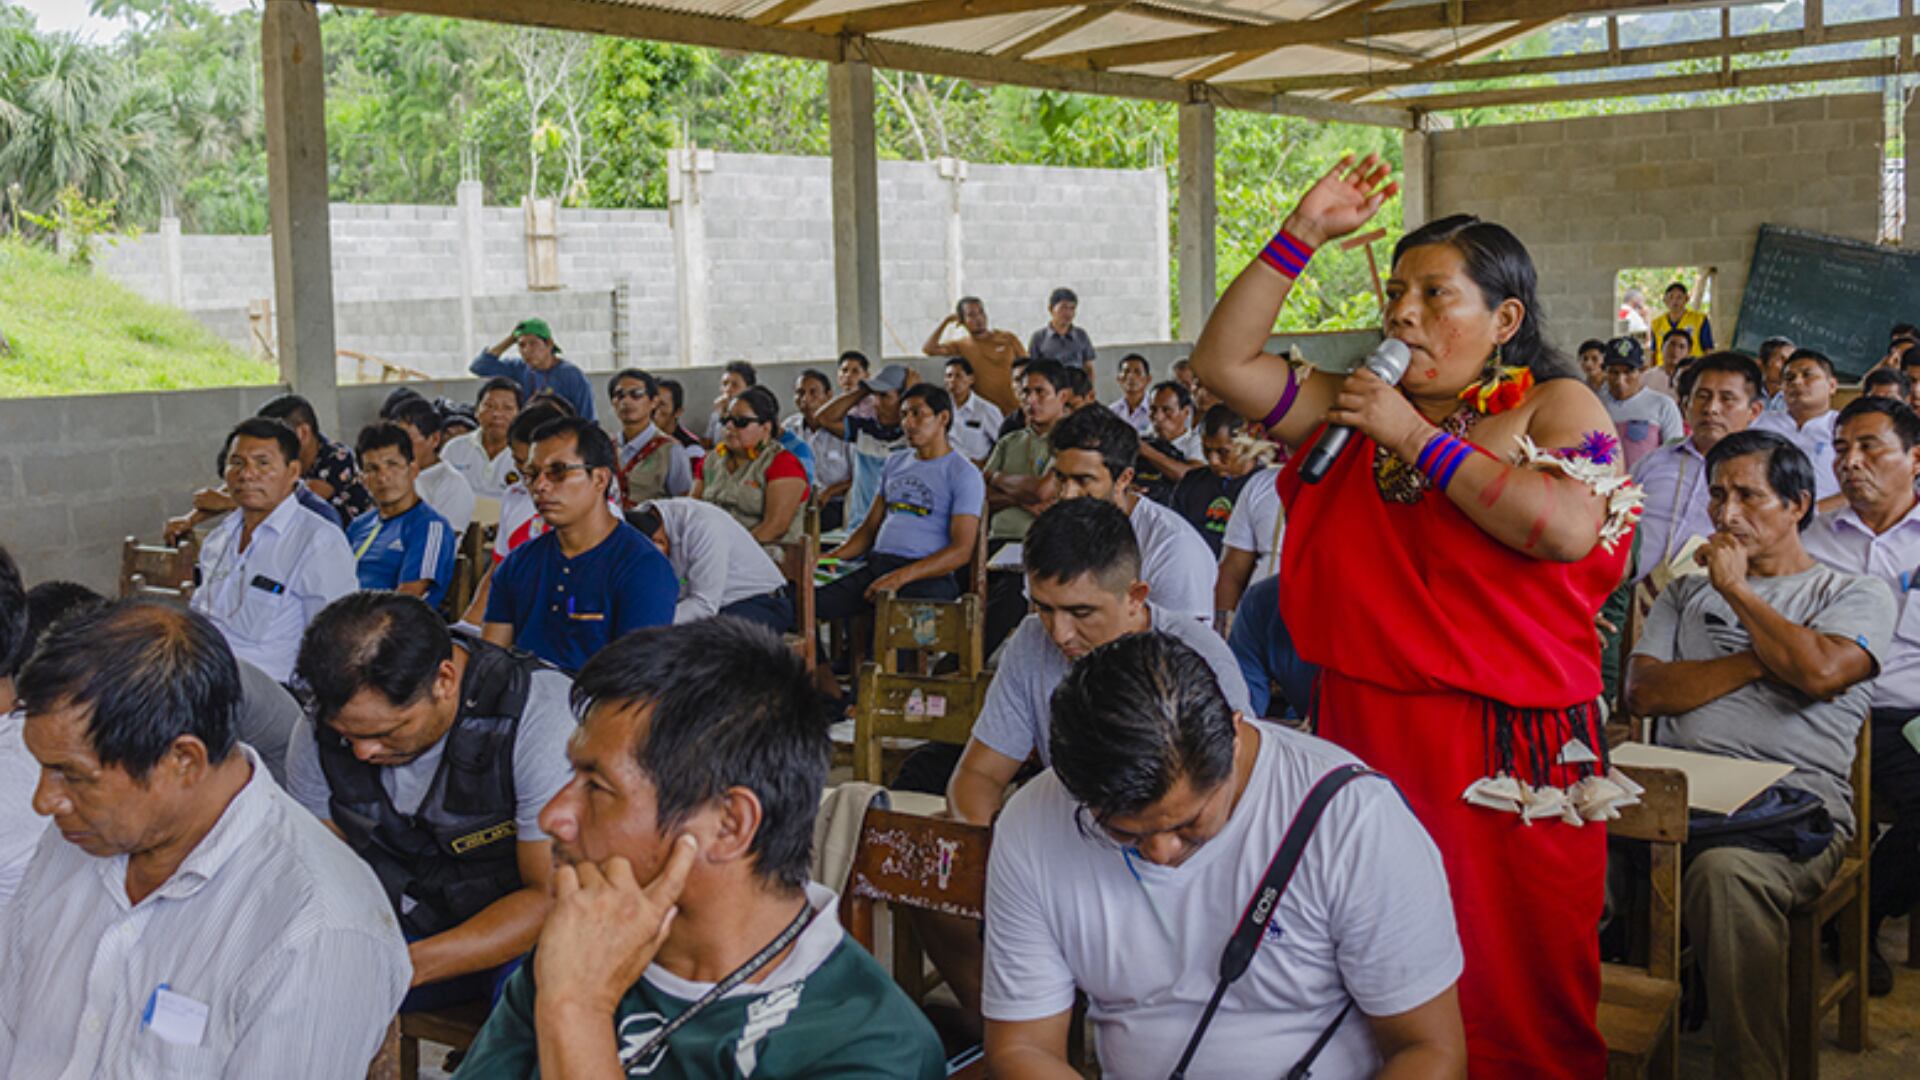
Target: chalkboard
pixel 1827 293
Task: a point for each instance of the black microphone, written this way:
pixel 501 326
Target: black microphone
pixel 1389 361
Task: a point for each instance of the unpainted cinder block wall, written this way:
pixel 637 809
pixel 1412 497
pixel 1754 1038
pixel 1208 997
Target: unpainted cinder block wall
pixel 1691 187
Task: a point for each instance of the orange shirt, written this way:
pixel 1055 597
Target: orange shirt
pixel 992 355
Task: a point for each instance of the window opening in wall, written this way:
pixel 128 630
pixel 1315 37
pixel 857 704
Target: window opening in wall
pixel 1639 297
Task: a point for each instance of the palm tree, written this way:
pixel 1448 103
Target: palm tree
pixel 69 117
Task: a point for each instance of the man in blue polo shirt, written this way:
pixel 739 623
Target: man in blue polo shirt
pixel 590 577
pixel 402 544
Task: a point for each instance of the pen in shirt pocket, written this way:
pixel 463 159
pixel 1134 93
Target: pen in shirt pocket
pixel 583 616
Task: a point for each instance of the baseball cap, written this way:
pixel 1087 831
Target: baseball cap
pixel 1625 352
pixel 891 380
pixel 538 328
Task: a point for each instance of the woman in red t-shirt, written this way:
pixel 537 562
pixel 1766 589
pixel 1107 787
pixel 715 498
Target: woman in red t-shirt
pixel 1445 575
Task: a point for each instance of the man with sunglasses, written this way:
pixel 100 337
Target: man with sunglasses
pixel 653 464
pixel 590 577
pixel 1125 870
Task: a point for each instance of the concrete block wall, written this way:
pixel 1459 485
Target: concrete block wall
pixel 1691 187
pixel 769 265
pixel 80 474
pixel 1031 229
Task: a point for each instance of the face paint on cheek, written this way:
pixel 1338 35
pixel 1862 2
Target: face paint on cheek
pixel 1432 373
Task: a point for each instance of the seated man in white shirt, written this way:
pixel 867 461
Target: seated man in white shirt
pixel 722 569
pixel 1808 385
pixel 477 454
pixel 976 421
pixel 439 483
pixel 1876 446
pixel 1132 404
pixel 1125 870
pixel 832 467
pixel 266 571
pixel 1093 457
pixel 431 755
pixel 183 917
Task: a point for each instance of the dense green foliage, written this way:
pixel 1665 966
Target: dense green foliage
pixel 74 332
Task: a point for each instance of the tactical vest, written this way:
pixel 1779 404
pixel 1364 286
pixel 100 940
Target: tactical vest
pixel 743 494
pixel 458 852
pixel 645 477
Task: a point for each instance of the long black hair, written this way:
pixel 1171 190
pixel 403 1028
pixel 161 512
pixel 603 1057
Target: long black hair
pixel 1499 264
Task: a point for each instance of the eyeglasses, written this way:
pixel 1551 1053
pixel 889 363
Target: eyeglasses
pixel 625 395
pixel 742 421
pixel 554 474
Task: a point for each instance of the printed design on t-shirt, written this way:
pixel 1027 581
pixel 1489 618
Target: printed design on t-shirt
pixel 1727 633
pixel 636 1030
pixel 910 495
pixel 1218 511
pixel 1274 932
pixel 764 1017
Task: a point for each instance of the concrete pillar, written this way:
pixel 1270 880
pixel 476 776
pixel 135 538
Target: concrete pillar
pixel 1910 124
pixel 297 197
pixel 856 208
pixel 1162 254
pixel 469 200
pixel 954 172
pixel 1197 218
pixel 687 215
pixel 173 288
pixel 1416 179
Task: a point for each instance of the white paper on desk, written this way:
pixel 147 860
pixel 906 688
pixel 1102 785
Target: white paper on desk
pixel 1714 782
pixel 178 1018
pixel 1007 558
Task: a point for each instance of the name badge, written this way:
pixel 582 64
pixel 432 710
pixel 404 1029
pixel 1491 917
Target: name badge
pixel 176 1018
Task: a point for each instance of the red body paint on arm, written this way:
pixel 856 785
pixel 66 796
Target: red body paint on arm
pixel 1492 492
pixel 1546 514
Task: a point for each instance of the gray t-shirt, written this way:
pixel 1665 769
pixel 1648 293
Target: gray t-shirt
pixel 1015 718
pixel 268 714
pixel 540 766
pixel 1768 720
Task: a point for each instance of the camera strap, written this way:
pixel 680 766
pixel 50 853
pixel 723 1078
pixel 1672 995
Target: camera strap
pixel 1252 926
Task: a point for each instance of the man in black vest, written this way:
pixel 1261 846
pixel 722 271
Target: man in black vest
pixel 431 756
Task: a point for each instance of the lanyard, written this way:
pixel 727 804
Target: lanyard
pixel 368 542
pixel 1252 927
pixel 720 989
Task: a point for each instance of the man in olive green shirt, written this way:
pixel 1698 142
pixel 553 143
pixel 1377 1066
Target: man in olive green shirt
pixel 1016 469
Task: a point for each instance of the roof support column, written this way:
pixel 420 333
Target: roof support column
pixel 856 207
pixel 1416 178
pixel 297 196
pixel 1198 216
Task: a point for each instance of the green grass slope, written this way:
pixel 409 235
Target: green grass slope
pixel 75 332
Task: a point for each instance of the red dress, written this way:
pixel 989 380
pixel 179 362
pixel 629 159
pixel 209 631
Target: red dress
pixel 1446 656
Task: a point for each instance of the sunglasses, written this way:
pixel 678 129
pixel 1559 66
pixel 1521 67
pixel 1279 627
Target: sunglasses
pixel 554 474
pixel 743 421
pixel 624 395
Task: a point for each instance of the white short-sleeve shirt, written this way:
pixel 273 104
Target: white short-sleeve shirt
pixel 715 558
pixel 1175 561
pixel 1367 915
pixel 442 487
pixel 1841 540
pixel 1015 718
pixel 975 427
pixel 1258 522
pixel 263 598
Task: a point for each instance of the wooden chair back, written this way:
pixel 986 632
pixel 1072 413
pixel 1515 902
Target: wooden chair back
pixel 910 861
pixel 947 626
pixel 977 568
pixel 455 1026
pixel 469 566
pixel 798 562
pixel 938 708
pixel 1640 1001
pixel 1810 994
pixel 155 570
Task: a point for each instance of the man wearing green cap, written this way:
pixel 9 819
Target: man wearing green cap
pixel 539 367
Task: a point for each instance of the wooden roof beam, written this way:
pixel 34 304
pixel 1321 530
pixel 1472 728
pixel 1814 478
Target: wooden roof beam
pixel 880 20
pixel 1739 78
pixel 1340 26
pixel 1475 48
pixel 1707 49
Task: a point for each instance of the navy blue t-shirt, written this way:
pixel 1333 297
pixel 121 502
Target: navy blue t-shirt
pixel 565 610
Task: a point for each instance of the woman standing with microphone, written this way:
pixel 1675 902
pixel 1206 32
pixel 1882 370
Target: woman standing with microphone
pixel 1445 575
